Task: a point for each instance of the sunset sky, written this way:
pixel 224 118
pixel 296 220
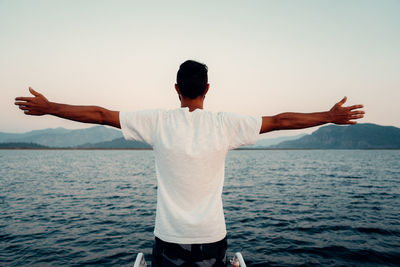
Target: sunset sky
pixel 264 57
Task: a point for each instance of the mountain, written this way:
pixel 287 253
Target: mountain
pixel 266 142
pixel 20 145
pixel 122 143
pixel 60 137
pixel 358 136
pixel 117 143
pixel 9 137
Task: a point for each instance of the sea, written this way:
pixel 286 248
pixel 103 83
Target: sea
pixel 282 207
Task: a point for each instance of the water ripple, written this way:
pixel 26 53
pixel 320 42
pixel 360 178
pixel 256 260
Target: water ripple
pixel 283 208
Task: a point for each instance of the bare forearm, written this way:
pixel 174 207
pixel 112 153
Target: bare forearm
pixel 86 114
pixel 293 120
pixel 39 105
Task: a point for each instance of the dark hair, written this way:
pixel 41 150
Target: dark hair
pixel 192 79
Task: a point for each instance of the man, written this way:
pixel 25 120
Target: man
pixel 190 147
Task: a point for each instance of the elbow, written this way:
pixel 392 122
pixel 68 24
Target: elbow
pixel 283 121
pixel 274 123
pixel 99 115
pixel 269 124
pixel 280 122
pixel 108 117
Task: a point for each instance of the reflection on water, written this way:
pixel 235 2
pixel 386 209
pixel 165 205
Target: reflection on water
pixel 292 207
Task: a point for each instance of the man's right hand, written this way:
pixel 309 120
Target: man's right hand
pixel 293 120
pixel 345 115
pixel 37 105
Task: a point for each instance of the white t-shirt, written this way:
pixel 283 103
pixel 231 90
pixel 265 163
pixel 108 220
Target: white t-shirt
pixel 190 150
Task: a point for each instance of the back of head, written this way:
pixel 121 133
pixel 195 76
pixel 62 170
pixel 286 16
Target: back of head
pixel 192 79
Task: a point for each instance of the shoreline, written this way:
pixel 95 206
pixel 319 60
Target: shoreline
pixel 238 149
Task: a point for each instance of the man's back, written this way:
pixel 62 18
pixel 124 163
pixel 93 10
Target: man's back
pixel 190 150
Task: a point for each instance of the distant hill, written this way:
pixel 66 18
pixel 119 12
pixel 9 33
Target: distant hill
pixel 60 137
pixel 117 143
pixel 266 142
pixel 359 136
pixel 20 145
pixel 9 137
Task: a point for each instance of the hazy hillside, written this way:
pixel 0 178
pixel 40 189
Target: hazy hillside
pixel 117 143
pixel 9 137
pixel 266 142
pixel 20 145
pixel 359 136
pixel 61 137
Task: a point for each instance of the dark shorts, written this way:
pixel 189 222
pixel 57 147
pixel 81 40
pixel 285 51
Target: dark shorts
pixel 167 254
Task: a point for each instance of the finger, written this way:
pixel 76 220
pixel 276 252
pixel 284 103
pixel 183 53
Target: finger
pixel 33 113
pixel 341 102
pixel 355 107
pixel 29 112
pixel 26 104
pixel 356 116
pixel 33 92
pixel 22 102
pixel 357 112
pixel 27 99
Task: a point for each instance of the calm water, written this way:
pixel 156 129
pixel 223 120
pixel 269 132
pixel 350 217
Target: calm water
pixel 307 207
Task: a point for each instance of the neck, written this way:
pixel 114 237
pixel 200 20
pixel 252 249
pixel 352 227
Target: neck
pixel 192 104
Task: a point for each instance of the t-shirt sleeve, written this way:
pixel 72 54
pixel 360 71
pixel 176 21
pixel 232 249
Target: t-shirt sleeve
pixel 241 129
pixel 140 125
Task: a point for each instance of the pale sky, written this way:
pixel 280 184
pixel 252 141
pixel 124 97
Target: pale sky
pixel 264 57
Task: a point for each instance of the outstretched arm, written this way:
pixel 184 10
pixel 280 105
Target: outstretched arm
pixel 39 105
pixel 290 120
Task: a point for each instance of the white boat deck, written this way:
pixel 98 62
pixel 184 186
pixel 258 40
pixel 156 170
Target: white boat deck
pixel 237 260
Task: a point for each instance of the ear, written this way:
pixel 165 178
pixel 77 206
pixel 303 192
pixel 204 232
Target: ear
pixel 207 87
pixel 177 89
pixel 179 92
